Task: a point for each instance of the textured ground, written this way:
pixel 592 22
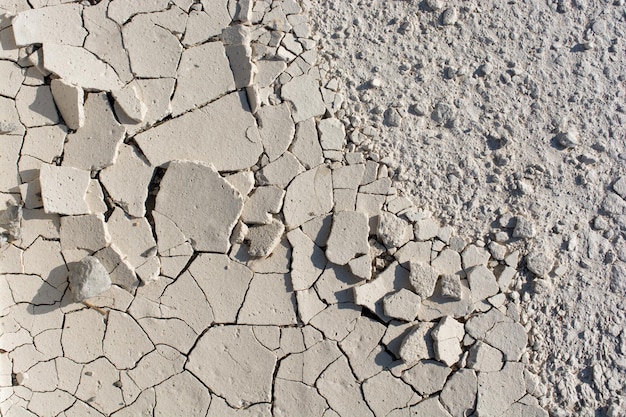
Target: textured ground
pixel 386 208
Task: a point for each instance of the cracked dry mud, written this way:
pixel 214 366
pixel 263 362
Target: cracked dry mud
pixel 205 214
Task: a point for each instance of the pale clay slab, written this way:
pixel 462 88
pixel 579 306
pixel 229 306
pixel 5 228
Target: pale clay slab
pixel 154 51
pixel 224 283
pixel 80 67
pixel 95 146
pixel 60 24
pixel 127 181
pixel 133 237
pixel 309 195
pixel 276 128
pixel 69 101
pixel 269 301
pixel 348 237
pixel 105 39
pixel 306 146
pixel 308 261
pixel 241 370
pixel 223 133
pixel 203 75
pixel 128 101
pixel 63 189
pixel 35 106
pixel 87 232
pixel 264 238
pixel 203 205
pixel 304 94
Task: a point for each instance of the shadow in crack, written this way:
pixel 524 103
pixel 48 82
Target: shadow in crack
pixel 50 297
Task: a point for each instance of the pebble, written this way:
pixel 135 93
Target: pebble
pixel 524 228
pixel 449 16
pixel 88 278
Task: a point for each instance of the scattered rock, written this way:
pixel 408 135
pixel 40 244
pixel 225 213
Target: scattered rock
pixel 447 337
pixel 423 279
pixel 88 278
pixel 524 228
pixel 418 344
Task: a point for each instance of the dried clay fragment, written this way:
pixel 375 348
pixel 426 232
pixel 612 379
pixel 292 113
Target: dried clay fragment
pixel 202 204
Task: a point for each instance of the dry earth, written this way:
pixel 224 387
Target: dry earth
pixel 255 208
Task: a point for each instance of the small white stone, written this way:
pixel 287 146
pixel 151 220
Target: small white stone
pixel 451 286
pixel 569 138
pixel 539 262
pixel 498 251
pixel 524 228
pixel 417 344
pixel 392 230
pixel 449 16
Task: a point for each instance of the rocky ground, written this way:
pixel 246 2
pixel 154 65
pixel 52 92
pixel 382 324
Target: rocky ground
pixel 284 207
pixel 488 108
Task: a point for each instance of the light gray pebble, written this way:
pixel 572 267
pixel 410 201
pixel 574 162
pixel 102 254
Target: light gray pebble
pixel 88 278
pixel 449 16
